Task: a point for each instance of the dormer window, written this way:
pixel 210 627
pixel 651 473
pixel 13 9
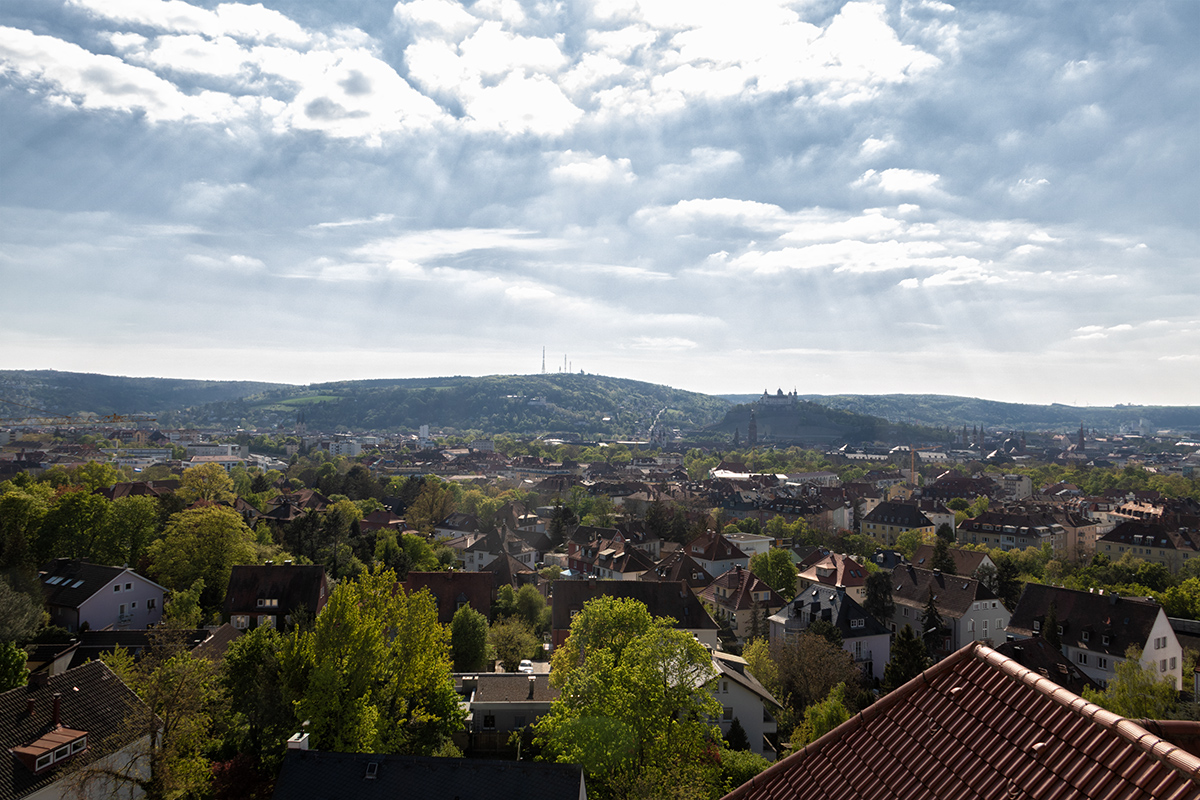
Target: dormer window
pixel 1086 636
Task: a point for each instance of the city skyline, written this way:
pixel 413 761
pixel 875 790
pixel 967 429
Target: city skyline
pixel 863 197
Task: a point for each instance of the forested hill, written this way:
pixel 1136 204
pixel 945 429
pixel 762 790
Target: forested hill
pixel 581 405
pixel 69 393
pixel 954 412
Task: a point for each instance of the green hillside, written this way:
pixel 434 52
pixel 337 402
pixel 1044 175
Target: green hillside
pixel 814 424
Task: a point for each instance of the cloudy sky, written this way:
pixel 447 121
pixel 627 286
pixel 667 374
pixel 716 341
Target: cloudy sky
pixel 998 200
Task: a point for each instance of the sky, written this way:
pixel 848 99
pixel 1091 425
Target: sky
pixel 997 200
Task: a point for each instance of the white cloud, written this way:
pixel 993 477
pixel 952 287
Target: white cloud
pixel 586 168
pixel 251 22
pixel 83 79
pixel 900 181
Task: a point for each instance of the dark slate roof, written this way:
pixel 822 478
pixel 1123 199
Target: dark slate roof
pixel 679 566
pixel 293 585
pixel 92 644
pixel 979 725
pixel 952 594
pixel 476 589
pixel 663 598
pixel 510 688
pixel 93 700
pixel 1040 656
pixel 75 581
pixel 1125 622
pixel 835 607
pixel 902 514
pixel 309 774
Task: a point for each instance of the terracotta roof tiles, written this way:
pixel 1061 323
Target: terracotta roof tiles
pixel 980 725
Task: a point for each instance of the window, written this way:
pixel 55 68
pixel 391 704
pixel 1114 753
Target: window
pixel 1101 662
pixel 78 744
pixel 970 626
pixel 129 587
pixel 116 587
pixel 151 604
pixel 1172 662
pixel 62 752
pixel 133 605
pixel 266 620
pixel 44 761
pixel 906 612
pixel 1037 625
pixel 1104 639
pixel 724 686
pixel 261 602
pixel 727 713
pixel 240 621
pixel 1082 658
pixel 489 721
pixel 1086 636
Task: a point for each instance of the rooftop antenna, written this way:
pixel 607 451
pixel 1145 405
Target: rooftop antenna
pixel 543 359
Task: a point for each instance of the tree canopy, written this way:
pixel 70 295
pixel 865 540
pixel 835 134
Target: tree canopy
pixel 776 568
pixel 373 675
pixel 634 700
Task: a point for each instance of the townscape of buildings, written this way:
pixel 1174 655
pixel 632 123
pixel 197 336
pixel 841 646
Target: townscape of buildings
pixel 698 575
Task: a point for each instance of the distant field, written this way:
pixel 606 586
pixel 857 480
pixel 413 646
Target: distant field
pixel 307 401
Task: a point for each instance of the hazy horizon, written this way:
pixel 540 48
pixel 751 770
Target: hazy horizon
pixel 892 197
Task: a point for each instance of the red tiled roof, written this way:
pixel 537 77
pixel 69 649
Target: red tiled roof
pixel 978 724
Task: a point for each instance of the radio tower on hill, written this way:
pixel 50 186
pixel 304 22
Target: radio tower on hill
pixel 543 359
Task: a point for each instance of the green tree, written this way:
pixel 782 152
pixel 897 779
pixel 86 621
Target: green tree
pixel 512 639
pixel 820 718
pixel 251 674
pixel 1008 582
pixel 132 522
pixel 1136 691
pixel 22 509
pixel 634 704
pixel 942 560
pixel 184 704
pixel 21 607
pixel 182 610
pixel 373 674
pixel 736 739
pixel 1050 628
pixel 435 502
pixel 201 543
pixel 468 640
pixel 809 667
pixel 932 627
pixel 208 482
pixel 945 533
pixel 531 606
pixel 776 568
pixel 908 542
pixel 909 659
pixel 13 673
pixel 73 527
pixel 878 602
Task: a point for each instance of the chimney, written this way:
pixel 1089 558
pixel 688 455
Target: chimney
pixel 298 741
pixel 54 714
pixel 29 706
pixel 532 684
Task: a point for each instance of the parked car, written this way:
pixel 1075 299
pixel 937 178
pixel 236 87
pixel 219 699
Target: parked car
pixel 525 666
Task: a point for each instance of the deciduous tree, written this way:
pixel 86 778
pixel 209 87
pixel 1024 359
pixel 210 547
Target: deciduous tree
pixel 373 675
pixel 202 543
pixel 1136 691
pixel 776 568
pixel 468 640
pixel 512 639
pixel 206 482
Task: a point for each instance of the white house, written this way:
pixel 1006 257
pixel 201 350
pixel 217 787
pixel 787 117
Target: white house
pixel 79 593
pixel 744 698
